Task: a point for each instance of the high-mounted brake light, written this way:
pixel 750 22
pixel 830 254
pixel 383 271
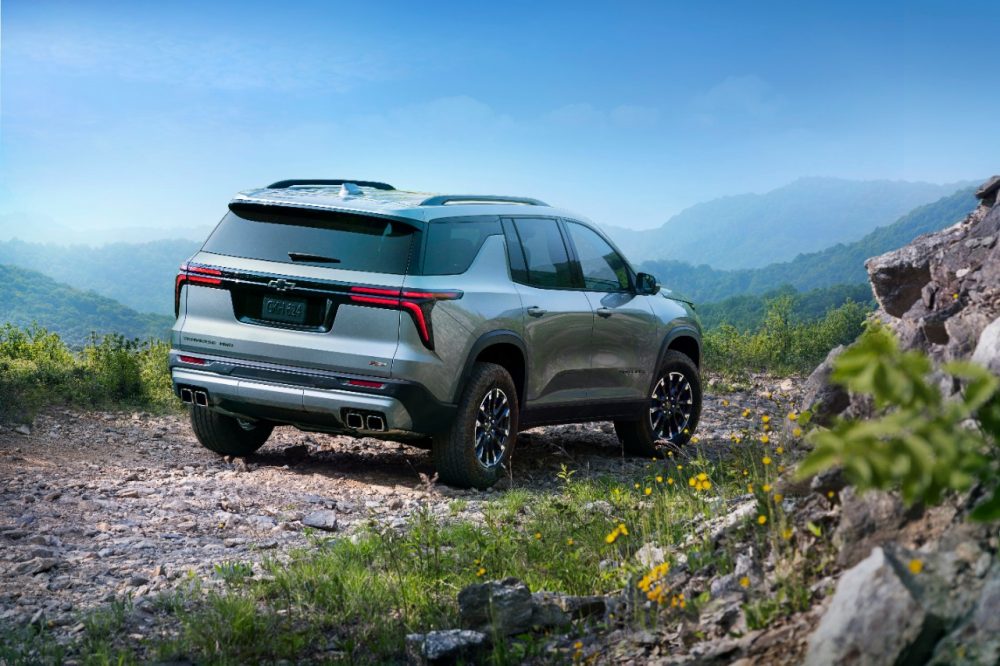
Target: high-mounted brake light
pixel 418 302
pixel 194 274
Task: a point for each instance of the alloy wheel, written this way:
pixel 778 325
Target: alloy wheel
pixel 672 404
pixel 492 427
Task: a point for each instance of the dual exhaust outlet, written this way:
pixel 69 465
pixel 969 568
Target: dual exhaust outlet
pixel 354 420
pixel 359 421
pixel 194 397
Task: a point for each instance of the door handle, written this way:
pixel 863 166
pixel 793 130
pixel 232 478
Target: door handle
pixel 605 312
pixel 536 311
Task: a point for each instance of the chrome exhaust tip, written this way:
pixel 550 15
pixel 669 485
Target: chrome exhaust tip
pixel 375 422
pixel 187 396
pixel 201 398
pixel 354 420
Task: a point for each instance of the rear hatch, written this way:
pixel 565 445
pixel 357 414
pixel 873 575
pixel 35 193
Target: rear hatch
pixel 279 285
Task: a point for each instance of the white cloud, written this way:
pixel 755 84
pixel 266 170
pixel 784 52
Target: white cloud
pixel 587 115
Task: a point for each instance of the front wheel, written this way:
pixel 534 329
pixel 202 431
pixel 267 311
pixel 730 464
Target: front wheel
pixel 673 412
pixel 475 450
pixel 226 435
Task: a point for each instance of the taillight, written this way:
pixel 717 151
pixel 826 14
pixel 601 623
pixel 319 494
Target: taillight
pixel 418 302
pixel 193 360
pixel 364 383
pixel 194 274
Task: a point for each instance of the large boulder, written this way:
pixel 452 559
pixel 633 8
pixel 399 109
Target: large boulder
pixel 873 619
pixel 502 607
pixel 450 646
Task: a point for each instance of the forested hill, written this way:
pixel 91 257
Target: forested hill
pixel 138 275
pixel 33 298
pixel 840 264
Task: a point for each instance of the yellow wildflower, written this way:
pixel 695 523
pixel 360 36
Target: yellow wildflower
pixel 569 541
pixel 765 419
pixel 778 497
pixel 670 481
pixel 792 416
pixel 779 450
pixel 766 487
pixel 796 432
pixel 648 490
pixel 538 535
pixel 762 520
pixel 916 566
pixel 692 482
pixel 787 533
pixel 725 403
pixel 659 479
pixel 766 460
pixel 695 440
pixel 481 572
pixel 745 581
pixel 764 439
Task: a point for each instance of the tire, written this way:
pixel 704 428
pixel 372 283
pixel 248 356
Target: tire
pixel 638 437
pixel 226 435
pixel 458 460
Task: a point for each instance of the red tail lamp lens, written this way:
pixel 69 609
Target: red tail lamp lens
pixel 364 383
pixel 417 302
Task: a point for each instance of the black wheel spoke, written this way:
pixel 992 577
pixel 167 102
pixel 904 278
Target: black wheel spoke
pixel 492 427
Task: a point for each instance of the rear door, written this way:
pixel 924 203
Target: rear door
pixel 624 345
pixel 276 286
pixel 558 319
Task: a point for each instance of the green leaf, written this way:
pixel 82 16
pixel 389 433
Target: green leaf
pixel 989 510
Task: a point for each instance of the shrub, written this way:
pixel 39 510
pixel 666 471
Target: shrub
pixel 37 368
pixel 919 442
pixel 780 344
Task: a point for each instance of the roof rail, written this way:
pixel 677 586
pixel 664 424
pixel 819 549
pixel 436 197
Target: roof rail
pixel 443 199
pixel 282 184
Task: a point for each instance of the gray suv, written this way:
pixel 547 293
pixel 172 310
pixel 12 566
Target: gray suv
pixel 451 322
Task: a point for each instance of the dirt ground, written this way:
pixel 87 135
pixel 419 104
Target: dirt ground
pixel 97 506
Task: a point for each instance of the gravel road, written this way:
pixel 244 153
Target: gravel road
pixel 98 506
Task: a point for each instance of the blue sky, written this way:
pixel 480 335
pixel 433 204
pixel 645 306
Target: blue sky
pixel 153 114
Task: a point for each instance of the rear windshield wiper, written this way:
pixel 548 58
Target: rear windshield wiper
pixel 317 258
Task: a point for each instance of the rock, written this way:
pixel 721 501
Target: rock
pixel 866 521
pixel 872 619
pixel 977 640
pixel 23 429
pixel 987 352
pixel 987 192
pixel 321 520
pixel 450 646
pixel 554 610
pixel 497 607
pixel 36 565
pixel 650 555
pixel 823 399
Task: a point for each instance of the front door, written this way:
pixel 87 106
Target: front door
pixel 623 348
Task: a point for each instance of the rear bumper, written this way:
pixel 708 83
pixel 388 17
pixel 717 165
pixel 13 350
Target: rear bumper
pixel 306 397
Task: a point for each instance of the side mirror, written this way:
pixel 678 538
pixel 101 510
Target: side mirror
pixel 646 284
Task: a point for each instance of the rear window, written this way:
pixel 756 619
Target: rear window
pixel 452 243
pixel 338 240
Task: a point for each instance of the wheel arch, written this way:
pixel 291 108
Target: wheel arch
pixel 506 349
pixel 684 339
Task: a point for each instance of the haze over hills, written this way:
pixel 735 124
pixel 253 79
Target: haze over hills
pixel 43 229
pixel 33 298
pixel 137 275
pixel 141 275
pixel 840 264
pixel 754 230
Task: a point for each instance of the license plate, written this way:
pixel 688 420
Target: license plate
pixel 284 309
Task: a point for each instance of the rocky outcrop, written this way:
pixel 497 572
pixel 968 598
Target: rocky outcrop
pixel 941 292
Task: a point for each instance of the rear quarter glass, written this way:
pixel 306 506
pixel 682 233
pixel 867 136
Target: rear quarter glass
pixel 344 241
pixel 453 243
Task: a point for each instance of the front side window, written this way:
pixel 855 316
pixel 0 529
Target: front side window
pixel 545 257
pixel 603 268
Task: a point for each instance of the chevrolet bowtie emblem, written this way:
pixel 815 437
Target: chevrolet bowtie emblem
pixel 281 285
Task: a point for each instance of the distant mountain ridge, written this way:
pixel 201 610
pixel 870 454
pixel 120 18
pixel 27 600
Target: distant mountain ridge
pixel 840 264
pixel 33 298
pixel 138 275
pixel 755 230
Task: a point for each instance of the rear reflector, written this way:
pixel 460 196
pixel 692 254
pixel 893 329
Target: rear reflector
pixel 364 383
pixel 192 359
